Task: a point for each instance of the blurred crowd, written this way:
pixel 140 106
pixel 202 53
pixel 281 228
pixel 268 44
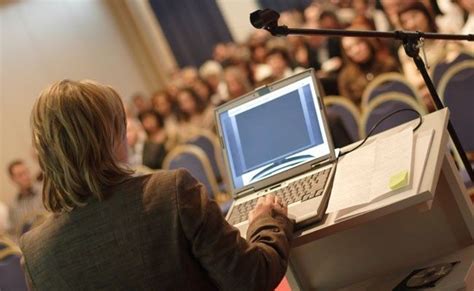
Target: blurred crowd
pixel 157 123
pixel 344 66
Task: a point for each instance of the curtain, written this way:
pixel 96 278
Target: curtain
pixel 283 5
pixel 192 28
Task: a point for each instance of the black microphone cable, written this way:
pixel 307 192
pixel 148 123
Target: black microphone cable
pixel 379 122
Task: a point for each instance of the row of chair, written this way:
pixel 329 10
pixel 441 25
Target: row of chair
pixel 389 92
pixel 359 123
pixel 454 82
pixel 454 85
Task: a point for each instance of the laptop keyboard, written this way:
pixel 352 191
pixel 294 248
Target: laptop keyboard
pixel 299 190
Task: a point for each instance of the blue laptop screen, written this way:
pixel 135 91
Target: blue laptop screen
pixel 274 132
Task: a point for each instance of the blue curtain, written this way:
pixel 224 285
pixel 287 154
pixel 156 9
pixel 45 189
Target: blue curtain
pixel 192 28
pixel 282 5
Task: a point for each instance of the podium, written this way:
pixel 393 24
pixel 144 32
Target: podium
pixel 377 249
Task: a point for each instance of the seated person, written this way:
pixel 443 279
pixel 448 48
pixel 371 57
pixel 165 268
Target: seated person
pixel 364 60
pixel 154 148
pixel 236 82
pixel 28 204
pixel 416 17
pixel 118 231
pixel 193 113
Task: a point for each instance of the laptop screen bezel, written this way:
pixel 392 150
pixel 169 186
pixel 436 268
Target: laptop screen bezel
pixel 274 179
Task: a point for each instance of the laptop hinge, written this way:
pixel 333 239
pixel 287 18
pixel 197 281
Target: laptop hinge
pixel 245 192
pixel 321 164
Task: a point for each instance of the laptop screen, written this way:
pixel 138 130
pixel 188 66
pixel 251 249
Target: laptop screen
pixel 273 133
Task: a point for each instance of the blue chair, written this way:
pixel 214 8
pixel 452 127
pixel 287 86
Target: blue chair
pixel 193 159
pixel 385 104
pixel 12 277
pixel 206 145
pixel 456 89
pixel 388 83
pixel 439 69
pixel 209 143
pixel 347 111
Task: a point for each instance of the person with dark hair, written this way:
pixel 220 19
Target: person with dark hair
pixel 154 148
pixel 140 103
pixel 364 60
pixel 192 114
pixel 279 62
pixel 417 17
pixel 166 108
pixel 329 51
pixel 204 90
pixel 115 230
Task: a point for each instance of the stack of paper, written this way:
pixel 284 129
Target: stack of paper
pixel 373 172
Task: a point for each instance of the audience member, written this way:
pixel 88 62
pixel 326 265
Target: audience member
pixel 136 138
pixel 328 54
pixel 212 72
pixel 417 17
pixel 154 148
pixel 163 104
pixel 193 114
pixel 391 9
pixel 28 204
pixel 140 103
pixel 189 75
pixel 236 82
pixel 221 54
pixel 364 60
pixel 117 230
pixel 204 90
pixel 279 61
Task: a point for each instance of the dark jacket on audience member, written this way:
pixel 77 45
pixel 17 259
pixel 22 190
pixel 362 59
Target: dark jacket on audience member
pixel 155 232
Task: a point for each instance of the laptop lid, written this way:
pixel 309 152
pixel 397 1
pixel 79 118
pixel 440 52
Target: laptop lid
pixel 274 133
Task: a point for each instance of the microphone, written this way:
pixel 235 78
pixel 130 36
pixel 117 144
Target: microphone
pixel 266 18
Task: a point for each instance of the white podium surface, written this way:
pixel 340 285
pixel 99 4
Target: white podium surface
pixel 408 229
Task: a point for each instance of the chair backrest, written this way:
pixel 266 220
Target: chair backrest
pixel 206 141
pixel 209 143
pixel 385 104
pixel 347 111
pixel 11 273
pixel 439 69
pixel 388 82
pixel 193 159
pixel 456 89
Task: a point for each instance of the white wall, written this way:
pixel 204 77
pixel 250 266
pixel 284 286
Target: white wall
pixel 236 14
pixel 43 41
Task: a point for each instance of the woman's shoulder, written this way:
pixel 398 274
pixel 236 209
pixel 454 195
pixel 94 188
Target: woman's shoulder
pixel 154 181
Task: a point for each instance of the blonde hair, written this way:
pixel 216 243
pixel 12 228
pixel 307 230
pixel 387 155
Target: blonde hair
pixel 77 130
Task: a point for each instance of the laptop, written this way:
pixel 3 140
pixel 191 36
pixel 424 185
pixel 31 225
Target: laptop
pixel 275 140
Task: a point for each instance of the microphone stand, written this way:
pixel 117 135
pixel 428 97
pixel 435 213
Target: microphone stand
pixel 412 42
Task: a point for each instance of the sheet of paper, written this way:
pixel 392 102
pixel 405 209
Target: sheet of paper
pixel 421 148
pixel 364 175
pixel 352 180
pixel 393 155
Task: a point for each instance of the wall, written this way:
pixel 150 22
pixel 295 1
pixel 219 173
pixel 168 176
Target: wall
pixel 44 41
pixel 236 13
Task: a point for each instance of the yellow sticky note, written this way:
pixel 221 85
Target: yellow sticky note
pixel 398 180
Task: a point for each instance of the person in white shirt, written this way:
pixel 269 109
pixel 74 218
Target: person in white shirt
pixel 28 205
